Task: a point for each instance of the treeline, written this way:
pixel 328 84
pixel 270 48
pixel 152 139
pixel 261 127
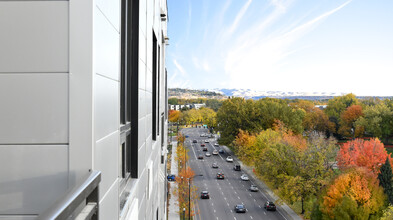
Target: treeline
pixel 345 117
pixel 293 148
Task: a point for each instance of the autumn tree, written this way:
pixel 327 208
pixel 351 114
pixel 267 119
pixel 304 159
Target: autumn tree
pixel 185 191
pixel 378 120
pixel 244 147
pixel 209 117
pixel 174 115
pixel 347 122
pixel 370 154
pixel 354 194
pixel 337 105
pixel 385 177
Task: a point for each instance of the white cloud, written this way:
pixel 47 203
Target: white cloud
pixel 254 61
pixel 239 16
pixel 179 67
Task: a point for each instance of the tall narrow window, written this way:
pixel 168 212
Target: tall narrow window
pixel 154 88
pixel 128 146
pixel 159 87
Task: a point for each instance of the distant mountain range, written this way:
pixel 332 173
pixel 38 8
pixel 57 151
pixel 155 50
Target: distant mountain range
pixel 251 94
pixel 254 94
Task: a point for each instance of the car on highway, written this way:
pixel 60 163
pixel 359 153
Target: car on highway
pixel 215 152
pixel 221 151
pixel 202 135
pixel 229 159
pixel 194 141
pixel 244 177
pixel 214 165
pixel 254 188
pixel 200 156
pixel 205 149
pixel 216 145
pixel 202 145
pixel 240 208
pixel 207 154
pixel 236 167
pixel 205 195
pixel 171 177
pixel 206 141
pixel 220 176
pixel 270 206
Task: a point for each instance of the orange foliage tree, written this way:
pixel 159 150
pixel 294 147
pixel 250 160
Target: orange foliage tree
pixel 355 194
pixel 347 122
pixel 186 192
pixel 174 115
pixel 370 154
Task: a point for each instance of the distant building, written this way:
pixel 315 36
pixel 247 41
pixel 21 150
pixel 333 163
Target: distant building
pixel 322 107
pixel 189 106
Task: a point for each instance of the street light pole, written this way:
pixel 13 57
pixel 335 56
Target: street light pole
pixel 189 199
pixel 184 213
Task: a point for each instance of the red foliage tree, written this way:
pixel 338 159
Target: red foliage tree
pixel 370 154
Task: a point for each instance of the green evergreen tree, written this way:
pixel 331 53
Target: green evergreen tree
pixel 386 179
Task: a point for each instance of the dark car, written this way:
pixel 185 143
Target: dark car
pixel 214 165
pixel 171 177
pixel 194 141
pixel 254 188
pixel 220 176
pixel 270 206
pixel 205 195
pixel 206 141
pixel 236 167
pixel 240 208
pixel 200 156
pixel 221 151
pixel 202 145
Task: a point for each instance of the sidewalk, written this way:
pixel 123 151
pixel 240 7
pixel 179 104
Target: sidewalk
pixel 262 186
pixel 173 212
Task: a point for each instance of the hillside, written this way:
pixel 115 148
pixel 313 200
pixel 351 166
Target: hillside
pixel 193 94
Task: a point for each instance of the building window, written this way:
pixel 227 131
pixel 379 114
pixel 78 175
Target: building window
pixel 128 148
pixel 154 88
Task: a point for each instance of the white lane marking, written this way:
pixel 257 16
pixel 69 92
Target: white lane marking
pixel 231 210
pixel 259 206
pixel 250 216
pixel 235 192
pixel 264 213
pixel 250 195
pixel 214 210
pixel 238 197
pixel 225 198
pixel 227 204
pixel 234 217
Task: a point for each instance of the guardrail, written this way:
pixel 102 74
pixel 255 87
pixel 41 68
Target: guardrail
pixel 80 202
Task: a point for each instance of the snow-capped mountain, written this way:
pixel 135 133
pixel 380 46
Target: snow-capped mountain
pixel 254 94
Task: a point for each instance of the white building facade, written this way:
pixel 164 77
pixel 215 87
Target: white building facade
pixel 83 89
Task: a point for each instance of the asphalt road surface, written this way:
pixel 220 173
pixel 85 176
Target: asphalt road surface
pixel 226 193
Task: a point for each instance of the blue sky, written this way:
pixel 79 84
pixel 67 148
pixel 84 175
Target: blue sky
pixel 282 45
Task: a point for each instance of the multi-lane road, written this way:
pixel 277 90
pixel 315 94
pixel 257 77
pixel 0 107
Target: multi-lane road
pixel 224 194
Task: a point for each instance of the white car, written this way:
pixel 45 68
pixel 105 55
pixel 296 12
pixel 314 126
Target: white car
pixel 207 154
pixel 244 177
pixel 229 159
pixel 216 145
pixel 206 141
pixel 215 152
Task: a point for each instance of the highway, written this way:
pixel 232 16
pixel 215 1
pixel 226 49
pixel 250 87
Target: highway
pixel 226 193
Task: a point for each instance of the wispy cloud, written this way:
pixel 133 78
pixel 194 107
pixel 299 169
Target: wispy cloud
pixel 179 67
pixel 258 55
pixel 239 16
